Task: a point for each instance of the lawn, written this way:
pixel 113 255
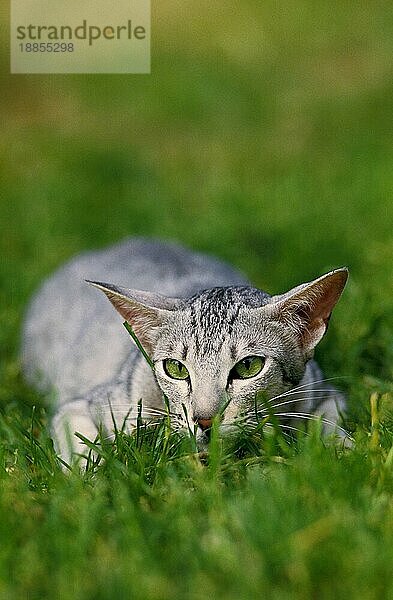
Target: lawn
pixel 264 135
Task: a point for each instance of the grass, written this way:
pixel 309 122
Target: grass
pixel 273 151
pixel 154 521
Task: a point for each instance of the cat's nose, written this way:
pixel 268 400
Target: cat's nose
pixel 205 423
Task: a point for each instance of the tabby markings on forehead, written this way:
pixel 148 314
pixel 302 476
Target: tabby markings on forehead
pixel 214 313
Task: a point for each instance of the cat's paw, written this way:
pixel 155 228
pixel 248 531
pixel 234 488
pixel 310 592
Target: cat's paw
pixel 73 418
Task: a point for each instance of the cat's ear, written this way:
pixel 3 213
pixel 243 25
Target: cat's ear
pixel 144 311
pixel 307 308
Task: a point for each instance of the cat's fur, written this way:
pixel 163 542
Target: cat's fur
pixel 194 309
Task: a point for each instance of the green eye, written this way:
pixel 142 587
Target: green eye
pixel 248 367
pixel 175 369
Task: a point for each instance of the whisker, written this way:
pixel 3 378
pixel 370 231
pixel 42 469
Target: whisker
pixel 311 417
pixel 304 415
pixel 291 428
pixel 310 391
pixel 128 405
pixel 109 437
pixel 145 413
pixel 255 423
pixel 306 385
pixel 250 418
pixel 303 399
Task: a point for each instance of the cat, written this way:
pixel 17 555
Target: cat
pixel 215 343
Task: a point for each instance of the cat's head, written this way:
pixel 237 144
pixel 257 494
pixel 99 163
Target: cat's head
pixel 224 346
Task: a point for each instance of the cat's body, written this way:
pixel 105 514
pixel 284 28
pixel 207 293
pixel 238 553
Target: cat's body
pixel 75 345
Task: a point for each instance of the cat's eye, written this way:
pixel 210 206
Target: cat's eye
pixel 248 367
pixel 175 369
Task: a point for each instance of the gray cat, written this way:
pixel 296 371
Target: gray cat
pixel 216 343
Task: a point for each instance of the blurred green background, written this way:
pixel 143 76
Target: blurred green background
pixel 263 135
